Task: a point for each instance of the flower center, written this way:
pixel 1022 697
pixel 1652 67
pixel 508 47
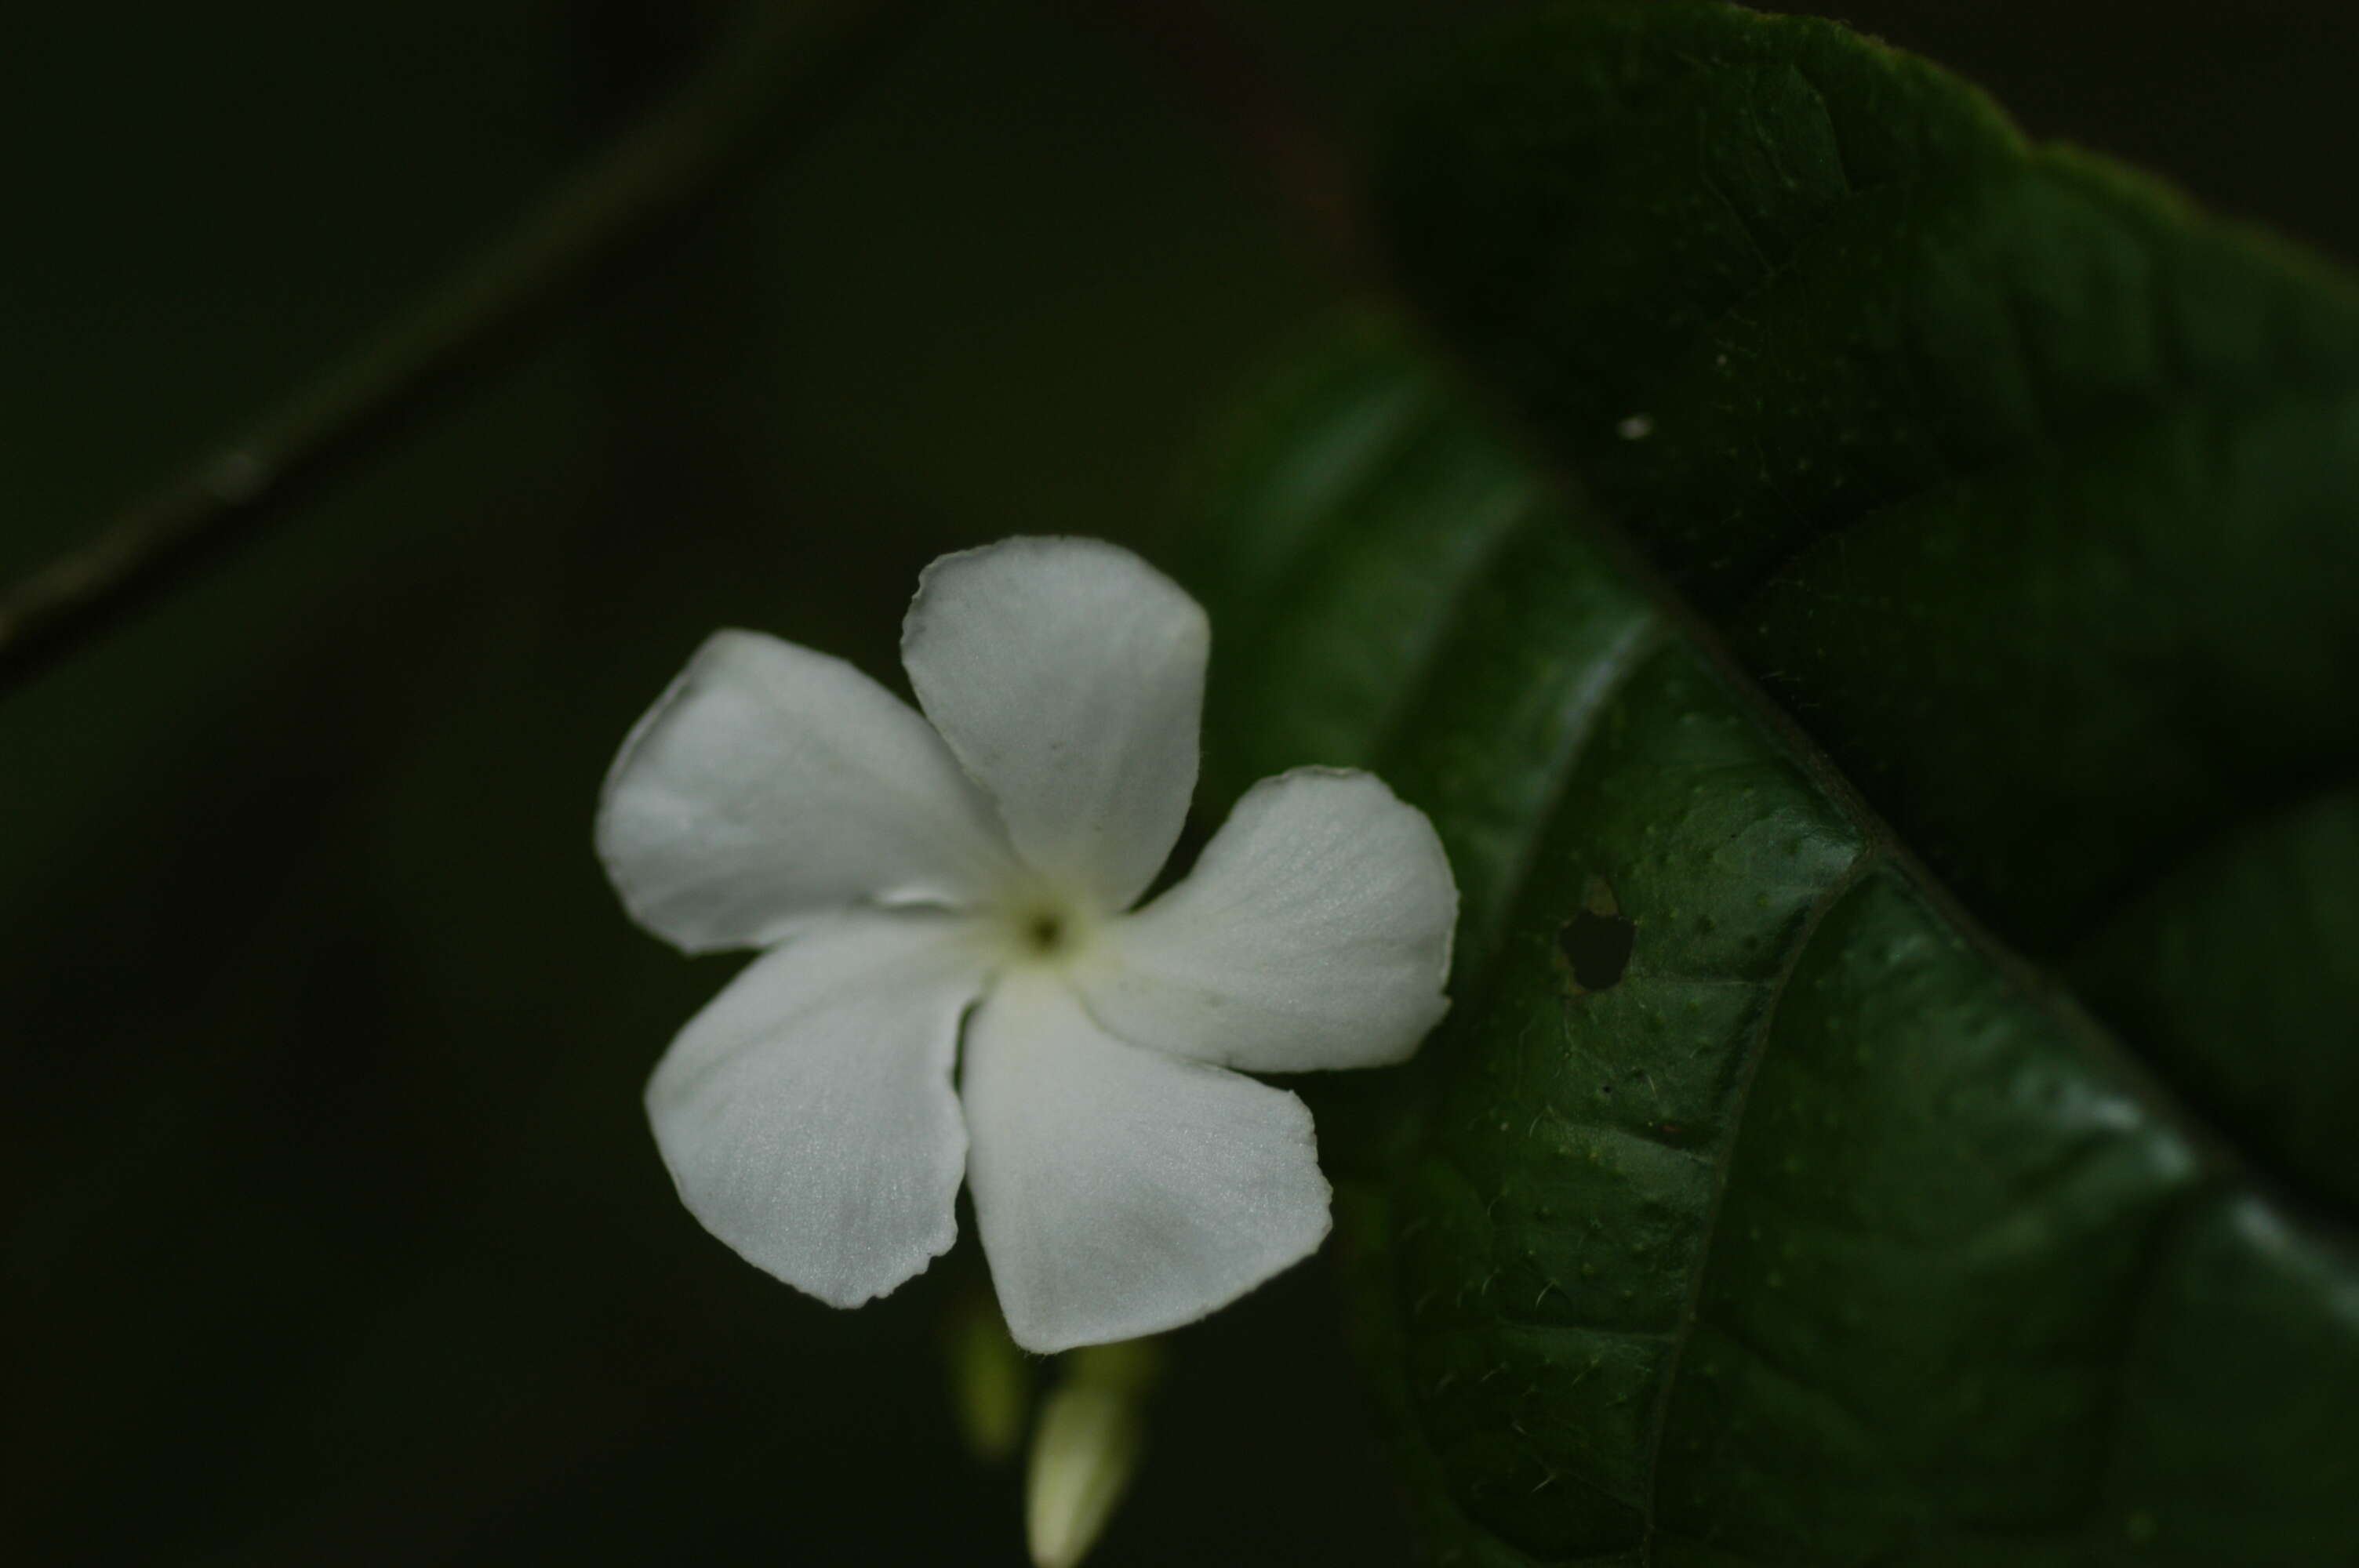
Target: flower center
pixel 1039 927
pixel 1044 933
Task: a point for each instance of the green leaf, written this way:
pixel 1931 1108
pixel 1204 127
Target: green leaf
pixel 1888 719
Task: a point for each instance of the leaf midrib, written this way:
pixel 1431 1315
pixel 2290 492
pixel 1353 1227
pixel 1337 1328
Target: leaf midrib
pixel 1755 1048
pixel 1879 837
pixel 2155 1093
pixel 1881 846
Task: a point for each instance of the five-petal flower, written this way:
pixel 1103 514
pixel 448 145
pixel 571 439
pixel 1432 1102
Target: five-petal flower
pixel 914 882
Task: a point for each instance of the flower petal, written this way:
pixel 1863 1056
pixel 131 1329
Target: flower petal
pixel 806 1114
pixel 771 784
pixel 1120 1192
pixel 1068 676
pixel 1313 933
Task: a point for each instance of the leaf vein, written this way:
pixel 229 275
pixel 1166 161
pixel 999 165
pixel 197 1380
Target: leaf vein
pixel 1683 1332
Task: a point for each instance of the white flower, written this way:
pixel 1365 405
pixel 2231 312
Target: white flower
pixel 914 882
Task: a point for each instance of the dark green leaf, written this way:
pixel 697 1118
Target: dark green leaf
pixel 1899 1103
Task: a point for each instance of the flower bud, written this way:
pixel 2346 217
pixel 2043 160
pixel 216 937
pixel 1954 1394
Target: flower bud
pixel 991 1379
pixel 1087 1447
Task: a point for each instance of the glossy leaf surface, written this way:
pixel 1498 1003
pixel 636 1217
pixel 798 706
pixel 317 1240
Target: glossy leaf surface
pixel 1898 1106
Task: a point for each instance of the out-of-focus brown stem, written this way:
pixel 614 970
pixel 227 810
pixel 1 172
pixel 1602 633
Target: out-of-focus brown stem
pixel 780 73
pixel 1271 127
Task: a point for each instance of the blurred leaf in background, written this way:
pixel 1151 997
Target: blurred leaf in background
pixel 335 1229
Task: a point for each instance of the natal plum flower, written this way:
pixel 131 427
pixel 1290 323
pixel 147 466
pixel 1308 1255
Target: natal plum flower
pixel 954 983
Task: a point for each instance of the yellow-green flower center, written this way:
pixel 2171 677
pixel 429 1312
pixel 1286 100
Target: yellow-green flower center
pixel 1038 927
pixel 1044 932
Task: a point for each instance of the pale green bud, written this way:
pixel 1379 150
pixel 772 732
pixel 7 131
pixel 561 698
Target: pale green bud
pixel 991 1379
pixel 1087 1447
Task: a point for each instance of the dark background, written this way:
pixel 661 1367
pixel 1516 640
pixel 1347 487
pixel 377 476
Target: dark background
pixel 333 1228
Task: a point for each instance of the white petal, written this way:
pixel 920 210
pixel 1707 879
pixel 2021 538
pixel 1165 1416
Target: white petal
pixel 1068 676
pixel 771 784
pixel 1313 933
pixel 806 1114
pixel 1120 1192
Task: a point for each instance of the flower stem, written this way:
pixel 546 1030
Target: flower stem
pixel 779 76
